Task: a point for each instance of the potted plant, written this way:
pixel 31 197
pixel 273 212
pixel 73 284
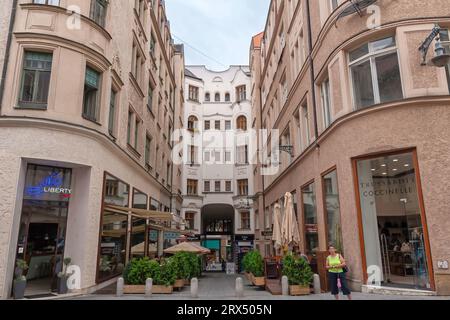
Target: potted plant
pixel 182 268
pixel 20 281
pixel 254 265
pixel 299 274
pixel 164 278
pixel 63 276
pixel 136 273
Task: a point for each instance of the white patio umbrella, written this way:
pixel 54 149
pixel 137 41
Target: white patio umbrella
pixel 277 236
pixel 289 232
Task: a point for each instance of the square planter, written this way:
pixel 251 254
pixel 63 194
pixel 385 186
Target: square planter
pixel 162 289
pixel 187 282
pixel 134 289
pixel 178 284
pixel 259 281
pixel 297 290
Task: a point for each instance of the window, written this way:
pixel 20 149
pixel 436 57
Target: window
pixel 217 186
pixel 129 127
pixel 35 79
pixel 192 123
pixel 112 112
pixel 207 125
pixel 446 44
pixel 192 187
pixel 193 93
pixel 148 144
pixel 305 124
pixel 243 187
pixel 137 124
pixel 98 11
pixel 47 2
pixel 228 186
pixel 150 97
pixel 284 90
pixel 137 63
pixel 190 220
pixel 310 219
pixel 241 123
pixel 207 157
pixel 245 220
pixel 334 4
pixel 207 97
pixel 242 154
pixel 217 97
pixel 227 156
pixel 91 94
pixel 140 8
pixel 207 186
pixel 375 73
pixel 241 93
pixel 227 97
pixel 332 213
pixel 169 173
pixel 152 44
pixel 217 124
pixel 217 156
pixel 140 200
pixel 326 102
pixel 227 125
pixel 192 155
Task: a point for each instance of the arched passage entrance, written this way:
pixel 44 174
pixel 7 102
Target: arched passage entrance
pixel 218 235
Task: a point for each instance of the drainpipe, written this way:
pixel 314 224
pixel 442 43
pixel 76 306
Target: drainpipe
pixel 312 73
pixel 7 51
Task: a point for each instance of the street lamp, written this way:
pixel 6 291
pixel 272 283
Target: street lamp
pixel 441 58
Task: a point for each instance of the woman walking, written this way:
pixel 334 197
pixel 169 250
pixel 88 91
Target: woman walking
pixel 336 273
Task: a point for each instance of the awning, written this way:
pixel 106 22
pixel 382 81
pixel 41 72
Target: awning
pixel 142 213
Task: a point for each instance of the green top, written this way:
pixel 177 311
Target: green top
pixel 334 261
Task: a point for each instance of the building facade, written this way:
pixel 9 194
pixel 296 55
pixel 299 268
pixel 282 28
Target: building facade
pixel 217 175
pixel 5 23
pixel 92 94
pixel 366 123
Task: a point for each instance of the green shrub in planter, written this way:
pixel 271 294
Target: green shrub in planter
pixel 139 270
pixel 297 270
pixel 167 274
pixel 254 263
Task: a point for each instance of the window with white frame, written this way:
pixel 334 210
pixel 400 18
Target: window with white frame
pixel 326 102
pixel 305 124
pixel 98 11
pixel 207 186
pixel 47 2
pixel 375 73
pixel 445 38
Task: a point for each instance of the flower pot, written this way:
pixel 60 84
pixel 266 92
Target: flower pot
pixel 62 285
pixel 179 284
pixel 19 289
pixel 298 290
pixel 162 289
pixel 134 289
pixel 258 281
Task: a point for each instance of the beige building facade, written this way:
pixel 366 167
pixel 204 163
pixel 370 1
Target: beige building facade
pixel 92 95
pixel 364 130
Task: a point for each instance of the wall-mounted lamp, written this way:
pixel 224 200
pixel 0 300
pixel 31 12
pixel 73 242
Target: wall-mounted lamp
pixel 441 58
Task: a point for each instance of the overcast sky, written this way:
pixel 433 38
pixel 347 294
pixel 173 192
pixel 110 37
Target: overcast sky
pixel 221 29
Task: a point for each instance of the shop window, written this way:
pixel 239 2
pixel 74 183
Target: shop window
pixel 35 80
pixel 91 97
pixel 116 192
pixel 98 11
pixel 332 212
pixel 391 215
pixel 154 205
pixel 140 200
pixel 375 73
pixel 137 237
pixel 310 219
pixel 113 244
pixel 245 220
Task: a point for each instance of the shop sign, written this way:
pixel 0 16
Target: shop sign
pixel 50 185
pixel 311 228
pixel 443 265
pixel 153 235
pixel 171 235
pixel 244 237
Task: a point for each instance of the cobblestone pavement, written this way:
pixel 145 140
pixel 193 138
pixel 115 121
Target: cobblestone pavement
pixel 218 286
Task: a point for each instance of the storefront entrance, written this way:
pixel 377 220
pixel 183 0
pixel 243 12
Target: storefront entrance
pixel 393 222
pixel 43 223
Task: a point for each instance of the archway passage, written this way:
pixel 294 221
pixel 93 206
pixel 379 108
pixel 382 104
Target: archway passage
pixel 218 236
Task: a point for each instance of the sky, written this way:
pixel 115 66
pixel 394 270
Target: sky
pixel 220 29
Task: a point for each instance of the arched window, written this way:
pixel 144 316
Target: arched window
pixel 217 97
pixel 207 97
pixel 227 97
pixel 241 123
pixel 192 123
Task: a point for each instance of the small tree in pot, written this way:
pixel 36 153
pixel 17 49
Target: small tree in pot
pixel 254 264
pixel 299 274
pixel 63 276
pixel 20 281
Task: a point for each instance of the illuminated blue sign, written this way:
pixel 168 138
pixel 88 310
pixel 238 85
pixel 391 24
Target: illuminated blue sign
pixel 52 184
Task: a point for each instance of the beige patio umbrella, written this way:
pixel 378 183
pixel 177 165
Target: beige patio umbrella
pixel 187 247
pixel 289 232
pixel 276 235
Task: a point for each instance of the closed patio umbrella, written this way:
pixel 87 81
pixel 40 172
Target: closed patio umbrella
pixel 290 233
pixel 277 236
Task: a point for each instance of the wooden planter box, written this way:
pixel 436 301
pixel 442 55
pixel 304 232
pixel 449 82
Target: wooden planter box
pixel 179 284
pixel 187 282
pixel 299 290
pixel 258 281
pixel 162 289
pixel 248 276
pixel 133 289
